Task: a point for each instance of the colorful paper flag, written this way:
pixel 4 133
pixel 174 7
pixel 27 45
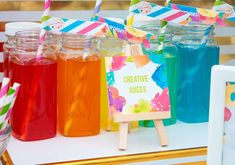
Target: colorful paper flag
pixel 127 33
pixel 159 12
pixel 65 25
pixel 200 15
pixel 226 8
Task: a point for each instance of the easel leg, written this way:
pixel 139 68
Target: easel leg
pixel 161 132
pixel 123 131
pixel 129 127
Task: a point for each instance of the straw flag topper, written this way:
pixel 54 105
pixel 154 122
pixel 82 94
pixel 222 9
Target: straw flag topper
pixel 124 32
pixel 226 8
pixel 65 25
pixel 159 12
pixel 200 15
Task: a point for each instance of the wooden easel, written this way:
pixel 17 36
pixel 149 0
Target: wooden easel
pixel 157 117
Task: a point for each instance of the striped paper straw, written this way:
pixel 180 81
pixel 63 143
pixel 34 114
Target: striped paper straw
pixel 133 3
pixel 95 13
pixel 42 37
pixel 97 8
pixel 130 19
pixel 163 31
pixel 168 1
pixel 206 35
pixel 162 37
pixel 218 2
pixel 7 103
pixel 3 92
pixel 15 87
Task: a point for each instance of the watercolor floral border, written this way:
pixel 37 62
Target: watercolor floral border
pixel 160 102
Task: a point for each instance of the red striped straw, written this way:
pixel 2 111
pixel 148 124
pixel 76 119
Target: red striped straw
pixel 95 13
pixel 42 37
pixel 3 92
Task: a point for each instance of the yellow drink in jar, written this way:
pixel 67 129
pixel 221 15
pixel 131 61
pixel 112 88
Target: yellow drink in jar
pixel 110 47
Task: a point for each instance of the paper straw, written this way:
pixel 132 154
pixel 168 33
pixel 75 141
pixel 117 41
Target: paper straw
pixel 7 103
pixel 218 2
pixel 42 36
pixel 130 19
pixel 134 2
pixel 206 34
pixel 162 37
pixel 97 7
pixel 163 31
pixel 96 11
pixel 15 87
pixel 168 1
pixel 88 43
pixel 3 92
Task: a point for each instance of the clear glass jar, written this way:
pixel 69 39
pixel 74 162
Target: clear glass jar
pixel 79 72
pixel 110 47
pixel 54 40
pixel 34 113
pixel 197 53
pixel 10 30
pixel 168 65
pixel 8 46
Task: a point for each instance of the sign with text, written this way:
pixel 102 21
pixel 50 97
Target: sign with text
pixel 136 84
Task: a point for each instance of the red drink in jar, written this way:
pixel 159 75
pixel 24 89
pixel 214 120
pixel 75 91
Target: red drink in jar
pixel 34 113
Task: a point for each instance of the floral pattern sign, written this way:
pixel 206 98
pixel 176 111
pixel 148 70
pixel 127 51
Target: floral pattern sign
pixel 136 84
pixel 229 126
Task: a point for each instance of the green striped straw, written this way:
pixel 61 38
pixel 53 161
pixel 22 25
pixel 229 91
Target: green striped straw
pixel 162 37
pixel 162 30
pixel 7 103
pixel 133 2
pixel 130 17
pixel 162 33
pixel 218 2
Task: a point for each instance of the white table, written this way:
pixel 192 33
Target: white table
pixel 61 149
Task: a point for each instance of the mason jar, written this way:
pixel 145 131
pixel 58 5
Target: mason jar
pixel 79 73
pixel 34 113
pixel 10 31
pixel 168 65
pixel 197 53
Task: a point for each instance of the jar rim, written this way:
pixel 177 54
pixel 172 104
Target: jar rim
pixel 151 27
pixel 197 27
pixel 77 37
pixel 26 33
